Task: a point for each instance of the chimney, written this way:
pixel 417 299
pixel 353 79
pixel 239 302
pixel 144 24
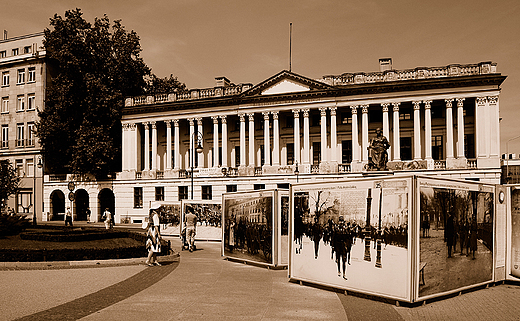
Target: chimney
pixel 385 64
pixel 5 34
pixel 222 82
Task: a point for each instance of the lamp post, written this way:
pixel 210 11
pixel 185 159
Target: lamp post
pixel 198 149
pixel 296 171
pixel 507 157
pixel 34 187
pixel 379 229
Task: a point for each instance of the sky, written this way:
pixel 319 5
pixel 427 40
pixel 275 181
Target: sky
pixel 248 41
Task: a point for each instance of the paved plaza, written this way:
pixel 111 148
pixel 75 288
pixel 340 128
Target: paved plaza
pixel 202 286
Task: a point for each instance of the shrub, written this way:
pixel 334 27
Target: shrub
pixel 13 224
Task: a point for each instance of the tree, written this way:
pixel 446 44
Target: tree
pixel 93 68
pixel 156 85
pixel 9 182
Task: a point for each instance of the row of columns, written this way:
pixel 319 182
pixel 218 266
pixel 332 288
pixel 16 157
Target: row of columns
pixel 359 151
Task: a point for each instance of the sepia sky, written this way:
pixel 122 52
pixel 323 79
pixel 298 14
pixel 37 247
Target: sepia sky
pixel 248 41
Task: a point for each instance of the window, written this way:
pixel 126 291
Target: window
pixel 20 103
pixel 183 193
pixel 290 153
pixel 375 116
pixel 14 52
pixel 159 193
pixel 346 118
pixel 406 148
pixel 5 78
pixel 289 122
pixel 30 134
pixel 24 201
pixel 346 151
pixel 437 147
pixel 19 167
pixel 237 156
pixel 31 102
pixel 31 76
pixel 206 192
pixel 3 54
pixel 231 188
pixel 20 135
pixel 405 113
pixel 469 145
pixel 30 167
pixel 5 104
pixel 5 136
pixel 258 186
pixel 27 49
pixel 316 153
pixel 138 197
pixel 283 186
pixel 21 76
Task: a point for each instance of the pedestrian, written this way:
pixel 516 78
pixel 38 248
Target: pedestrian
pixel 68 217
pixel 191 225
pixel 87 211
pixel 449 232
pixel 107 216
pixel 153 238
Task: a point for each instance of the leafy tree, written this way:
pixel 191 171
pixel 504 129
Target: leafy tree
pixel 9 182
pixel 93 67
pixel 156 85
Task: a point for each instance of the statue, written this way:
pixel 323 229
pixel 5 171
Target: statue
pixel 377 155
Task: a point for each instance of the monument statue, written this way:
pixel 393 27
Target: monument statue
pixel 377 152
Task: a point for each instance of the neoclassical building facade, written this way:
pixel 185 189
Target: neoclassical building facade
pixel 289 128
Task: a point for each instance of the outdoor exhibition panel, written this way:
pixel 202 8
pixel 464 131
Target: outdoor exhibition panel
pixel 170 218
pixel 252 226
pixel 398 237
pixel 512 199
pixel 209 218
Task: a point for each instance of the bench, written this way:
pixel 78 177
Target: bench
pixel 421 273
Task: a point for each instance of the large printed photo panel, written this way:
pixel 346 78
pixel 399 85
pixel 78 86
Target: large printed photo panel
pixel 353 235
pixel 209 219
pixel 248 226
pixel 456 235
pixel 170 217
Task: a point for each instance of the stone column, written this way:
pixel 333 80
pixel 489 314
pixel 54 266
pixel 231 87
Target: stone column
pixel 276 139
pixel 416 130
pixel 460 127
pixel 364 132
pixel 147 146
pixel 135 147
pixel 323 140
pixel 200 134
pixel 494 133
pixel 242 139
pixel 251 139
pixel 124 147
pixel 449 129
pixel 154 146
pixel 223 119
pixel 306 136
pixel 333 136
pixel 177 151
pixel 386 126
pixel 192 142
pixel 355 133
pixel 481 137
pixel 267 140
pixel 215 141
pixel 168 144
pixel 297 150
pixel 397 142
pixel 427 129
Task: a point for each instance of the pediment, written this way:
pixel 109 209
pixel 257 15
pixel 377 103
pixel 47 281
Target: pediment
pixel 286 82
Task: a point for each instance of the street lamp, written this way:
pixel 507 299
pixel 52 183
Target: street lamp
pixel 199 150
pixel 507 157
pixel 34 187
pixel 296 171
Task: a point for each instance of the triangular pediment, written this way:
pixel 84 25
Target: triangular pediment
pixel 286 82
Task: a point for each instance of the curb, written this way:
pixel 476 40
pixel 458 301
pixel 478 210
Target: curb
pixel 82 264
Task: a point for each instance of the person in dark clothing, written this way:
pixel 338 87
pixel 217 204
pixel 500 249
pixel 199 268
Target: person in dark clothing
pixel 450 233
pixel 340 247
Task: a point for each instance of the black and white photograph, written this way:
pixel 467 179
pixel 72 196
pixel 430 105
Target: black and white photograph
pixel 249 225
pixel 353 234
pixel 456 237
pixel 170 218
pixel 209 219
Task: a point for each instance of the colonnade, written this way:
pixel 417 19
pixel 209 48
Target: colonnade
pixel 486 132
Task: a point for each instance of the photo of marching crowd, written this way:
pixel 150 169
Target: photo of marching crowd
pixel 209 218
pixel 170 218
pixel 249 227
pixel 456 241
pixel 354 236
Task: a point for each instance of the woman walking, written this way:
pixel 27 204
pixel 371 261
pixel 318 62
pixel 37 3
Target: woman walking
pixel 153 238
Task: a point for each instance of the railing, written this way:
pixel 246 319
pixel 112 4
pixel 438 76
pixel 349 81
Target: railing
pixel 472 163
pixel 232 171
pixel 183 173
pixel 344 168
pixel 439 164
pixel 315 168
pixel 57 177
pixel 160 174
pixel 138 175
pixel 161 98
pixel 258 171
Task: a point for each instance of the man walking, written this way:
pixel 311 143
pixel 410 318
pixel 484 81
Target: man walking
pixel 191 225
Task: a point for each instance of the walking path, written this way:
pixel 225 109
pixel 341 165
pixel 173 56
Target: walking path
pixel 203 286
